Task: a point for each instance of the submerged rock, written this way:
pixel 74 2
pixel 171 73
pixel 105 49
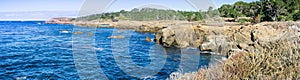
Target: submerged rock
pixel 116 37
pixel 78 32
pixel 90 34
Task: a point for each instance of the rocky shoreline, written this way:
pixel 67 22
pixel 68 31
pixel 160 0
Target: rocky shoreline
pixel 228 39
pixel 232 37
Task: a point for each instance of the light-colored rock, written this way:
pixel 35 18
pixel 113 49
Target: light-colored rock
pixel 167 37
pixel 180 36
pixel 116 37
pixel 90 34
pixel 148 39
pixel 228 39
pixel 78 32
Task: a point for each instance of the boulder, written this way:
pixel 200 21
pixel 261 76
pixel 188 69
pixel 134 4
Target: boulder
pixel 167 37
pixel 148 39
pixel 180 36
pixel 217 44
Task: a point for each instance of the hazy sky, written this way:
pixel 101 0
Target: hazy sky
pixel 13 9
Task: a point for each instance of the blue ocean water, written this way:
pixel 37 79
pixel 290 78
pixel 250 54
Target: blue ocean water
pixel 35 50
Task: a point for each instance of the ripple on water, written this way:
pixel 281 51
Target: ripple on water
pixel 31 51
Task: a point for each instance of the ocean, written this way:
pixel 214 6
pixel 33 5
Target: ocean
pixel 35 50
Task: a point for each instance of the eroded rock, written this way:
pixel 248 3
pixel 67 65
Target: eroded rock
pixel 228 39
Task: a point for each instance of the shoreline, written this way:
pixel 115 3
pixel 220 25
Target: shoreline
pixel 232 36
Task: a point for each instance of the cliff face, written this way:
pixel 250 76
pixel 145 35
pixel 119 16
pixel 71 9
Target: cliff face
pixel 224 40
pixel 180 36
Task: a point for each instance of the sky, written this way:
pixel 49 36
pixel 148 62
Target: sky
pixel 46 9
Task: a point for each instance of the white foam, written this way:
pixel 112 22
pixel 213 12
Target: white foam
pixel 65 31
pixel 99 49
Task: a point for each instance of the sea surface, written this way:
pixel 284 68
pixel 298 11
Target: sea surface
pixel 35 50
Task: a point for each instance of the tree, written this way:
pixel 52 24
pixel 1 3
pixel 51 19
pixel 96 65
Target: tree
pixel 227 10
pixel 241 8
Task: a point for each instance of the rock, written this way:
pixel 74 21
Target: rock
pixel 185 36
pixel 147 28
pixel 148 39
pixel 167 38
pixel 228 39
pixel 117 37
pixel 78 32
pixel 217 44
pixel 90 34
pixel 235 53
pixel 62 20
pixel 180 36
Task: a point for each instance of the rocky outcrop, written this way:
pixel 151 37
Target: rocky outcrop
pixel 61 20
pixel 117 37
pixel 79 32
pixel 148 39
pixel 147 28
pixel 228 39
pixel 180 36
pixel 207 38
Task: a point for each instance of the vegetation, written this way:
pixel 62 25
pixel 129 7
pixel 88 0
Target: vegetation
pixel 278 61
pixel 144 14
pixel 267 10
pixel 263 10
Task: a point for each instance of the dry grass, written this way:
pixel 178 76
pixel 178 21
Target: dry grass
pixel 280 60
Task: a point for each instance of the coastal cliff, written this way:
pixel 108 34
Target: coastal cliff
pixel 220 40
pixel 228 39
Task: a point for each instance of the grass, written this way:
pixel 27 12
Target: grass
pixel 279 60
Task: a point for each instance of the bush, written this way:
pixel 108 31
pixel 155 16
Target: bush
pixel 290 17
pixel 258 19
pixel 296 16
pixel 242 21
pixel 279 60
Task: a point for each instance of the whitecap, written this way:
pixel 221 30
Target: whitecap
pixel 65 31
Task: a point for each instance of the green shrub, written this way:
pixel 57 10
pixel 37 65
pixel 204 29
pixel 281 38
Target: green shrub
pixel 242 21
pixel 296 16
pixel 290 17
pixel 278 60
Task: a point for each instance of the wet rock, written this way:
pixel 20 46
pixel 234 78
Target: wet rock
pixel 90 34
pixel 148 39
pixel 78 32
pixel 116 37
